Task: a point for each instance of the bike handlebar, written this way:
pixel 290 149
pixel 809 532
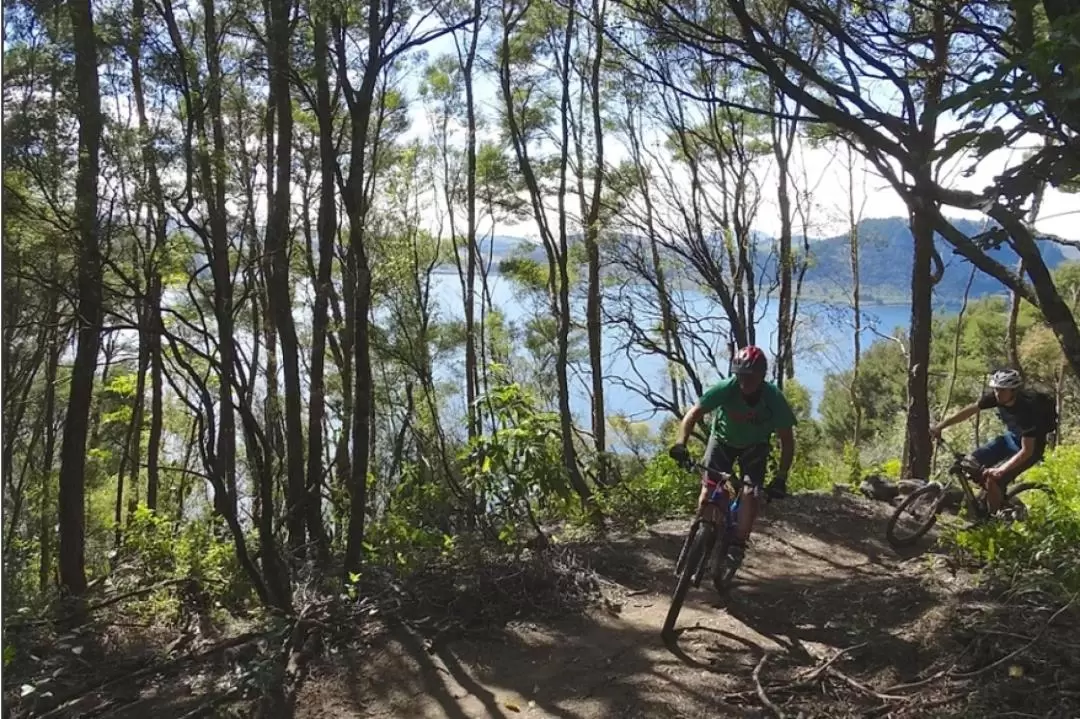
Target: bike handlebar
pixel 720 476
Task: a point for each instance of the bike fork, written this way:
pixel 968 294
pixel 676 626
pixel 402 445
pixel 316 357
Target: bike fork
pixel 687 542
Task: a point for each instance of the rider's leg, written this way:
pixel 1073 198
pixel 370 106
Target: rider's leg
pixel 718 458
pixel 991 454
pixel 753 463
pixel 995 489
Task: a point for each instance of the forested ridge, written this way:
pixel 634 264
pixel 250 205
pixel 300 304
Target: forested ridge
pixel 271 371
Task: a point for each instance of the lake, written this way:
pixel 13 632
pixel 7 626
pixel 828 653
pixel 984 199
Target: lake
pixel 823 340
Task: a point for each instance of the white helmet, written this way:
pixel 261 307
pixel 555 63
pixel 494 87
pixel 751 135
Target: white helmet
pixel 1006 379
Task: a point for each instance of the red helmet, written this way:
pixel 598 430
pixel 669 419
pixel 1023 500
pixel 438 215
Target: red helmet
pixel 750 360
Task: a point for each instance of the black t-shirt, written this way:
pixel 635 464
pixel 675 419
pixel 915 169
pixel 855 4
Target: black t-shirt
pixel 1032 415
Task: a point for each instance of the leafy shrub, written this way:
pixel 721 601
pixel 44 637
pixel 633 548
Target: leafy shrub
pixel 416 526
pixel 156 550
pixel 660 490
pixel 518 469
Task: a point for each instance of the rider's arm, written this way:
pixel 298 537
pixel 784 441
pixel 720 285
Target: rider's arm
pixel 689 421
pixel 713 398
pixel 787 450
pixel 970 411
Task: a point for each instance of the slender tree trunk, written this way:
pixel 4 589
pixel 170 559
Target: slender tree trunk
pixel 133 441
pixel 785 320
pixel 1010 329
pixel 853 238
pixel 47 520
pixel 278 284
pixel 359 274
pixel 918 421
pixel 956 343
pixel 157 378
pixel 472 375
pixel 327 232
pixel 152 337
pixel 555 242
pixel 592 239
pixel 89 309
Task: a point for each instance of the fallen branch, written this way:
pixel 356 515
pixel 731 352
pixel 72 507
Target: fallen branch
pixel 920 683
pixel 1010 655
pixel 160 668
pixel 213 703
pixel 85 612
pixel 833 672
pixel 813 674
pixel 761 690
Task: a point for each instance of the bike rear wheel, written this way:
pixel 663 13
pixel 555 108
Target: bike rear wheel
pixel 1014 509
pixel 922 505
pixel 703 537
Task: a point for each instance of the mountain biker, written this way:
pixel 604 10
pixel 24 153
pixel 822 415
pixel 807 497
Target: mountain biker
pixel 747 410
pixel 1028 415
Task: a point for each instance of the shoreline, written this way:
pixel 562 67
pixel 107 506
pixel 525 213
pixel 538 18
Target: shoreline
pixel 868 300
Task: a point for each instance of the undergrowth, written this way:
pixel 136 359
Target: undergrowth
pixel 1045 548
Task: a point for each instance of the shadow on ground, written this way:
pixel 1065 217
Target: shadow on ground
pixel 808 589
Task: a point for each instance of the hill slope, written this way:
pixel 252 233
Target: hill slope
pixel 884 261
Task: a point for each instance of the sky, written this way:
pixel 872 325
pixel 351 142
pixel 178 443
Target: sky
pixel 823 169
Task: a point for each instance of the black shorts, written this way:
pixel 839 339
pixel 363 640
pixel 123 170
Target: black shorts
pixel 753 461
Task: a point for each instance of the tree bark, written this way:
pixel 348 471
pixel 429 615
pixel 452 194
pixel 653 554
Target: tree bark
pixel 89 309
pixel 327 232
pixel 592 240
pixel 280 296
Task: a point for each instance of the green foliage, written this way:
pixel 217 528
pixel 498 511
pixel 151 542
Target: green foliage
pixel 1045 548
pixel 415 528
pixel 811 468
pixel 527 272
pixel 881 389
pixel 519 468
pixel 852 464
pixel 157 549
pixel 660 490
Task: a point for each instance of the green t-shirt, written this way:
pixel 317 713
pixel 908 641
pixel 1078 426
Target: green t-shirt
pixel 739 424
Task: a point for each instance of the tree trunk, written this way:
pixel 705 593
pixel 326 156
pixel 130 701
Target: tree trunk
pixel 277 240
pixel 159 218
pixel 785 319
pixel 555 242
pixel 1010 329
pixel 853 229
pixel 591 215
pixel 356 204
pixel 89 309
pixel 157 378
pixel 472 376
pixel 55 348
pixel 918 418
pixel 327 233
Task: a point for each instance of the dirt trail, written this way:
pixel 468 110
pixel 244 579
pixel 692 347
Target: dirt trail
pixel 818 578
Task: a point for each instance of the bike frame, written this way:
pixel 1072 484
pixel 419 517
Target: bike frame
pixel 957 472
pixel 714 511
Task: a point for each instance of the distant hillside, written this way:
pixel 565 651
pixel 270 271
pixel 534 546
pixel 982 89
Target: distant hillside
pixel 500 248
pixel 884 261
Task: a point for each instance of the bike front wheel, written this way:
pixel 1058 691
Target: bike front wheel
pixel 703 537
pixel 915 516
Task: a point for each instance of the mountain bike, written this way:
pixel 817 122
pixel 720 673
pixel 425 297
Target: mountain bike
pixel 721 506
pixel 966 472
